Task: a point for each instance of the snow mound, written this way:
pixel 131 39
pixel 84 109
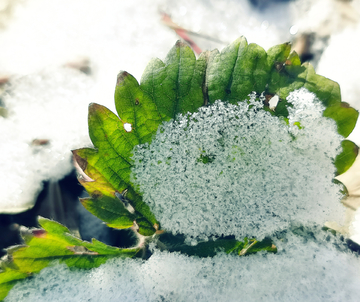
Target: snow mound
pixel 233 170
pixel 302 270
pixel 47 118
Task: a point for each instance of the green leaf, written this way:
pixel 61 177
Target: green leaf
pixel 53 242
pixel 167 88
pixel 241 69
pixel 110 210
pixel 108 169
pixel 8 278
pixel 344 116
pixel 176 85
pixel 347 157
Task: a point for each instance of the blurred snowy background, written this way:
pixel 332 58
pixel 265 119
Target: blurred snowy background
pixel 58 56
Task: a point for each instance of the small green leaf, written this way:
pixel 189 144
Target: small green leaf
pixel 344 116
pixel 53 242
pixel 110 210
pixel 347 157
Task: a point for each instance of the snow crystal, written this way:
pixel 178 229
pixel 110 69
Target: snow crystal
pixel 238 170
pixel 302 270
pixel 47 118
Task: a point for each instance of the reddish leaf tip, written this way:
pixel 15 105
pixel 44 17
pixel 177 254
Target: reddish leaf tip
pixel 93 107
pixel 39 233
pixel 121 77
pixel 80 165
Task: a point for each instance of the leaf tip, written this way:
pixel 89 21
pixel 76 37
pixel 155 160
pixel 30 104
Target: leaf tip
pixel 80 165
pixel 39 233
pixel 121 77
pixel 78 160
pixel 93 107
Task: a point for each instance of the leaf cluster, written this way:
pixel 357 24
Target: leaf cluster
pixel 181 83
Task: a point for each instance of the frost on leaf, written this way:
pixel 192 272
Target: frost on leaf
pixel 181 84
pixel 238 170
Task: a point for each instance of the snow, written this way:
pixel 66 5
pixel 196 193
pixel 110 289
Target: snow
pixel 228 19
pixel 304 269
pixel 48 107
pixel 255 167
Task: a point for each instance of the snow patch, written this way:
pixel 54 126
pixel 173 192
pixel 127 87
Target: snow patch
pixel 47 118
pixel 302 270
pixel 237 170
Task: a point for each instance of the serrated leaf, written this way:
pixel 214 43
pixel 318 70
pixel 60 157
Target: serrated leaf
pixel 175 85
pixel 241 69
pixel 167 88
pixel 108 168
pixel 53 242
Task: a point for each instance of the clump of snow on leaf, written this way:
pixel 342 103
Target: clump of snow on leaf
pixel 302 270
pixel 238 170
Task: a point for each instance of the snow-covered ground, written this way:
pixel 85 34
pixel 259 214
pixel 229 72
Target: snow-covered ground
pixel 303 270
